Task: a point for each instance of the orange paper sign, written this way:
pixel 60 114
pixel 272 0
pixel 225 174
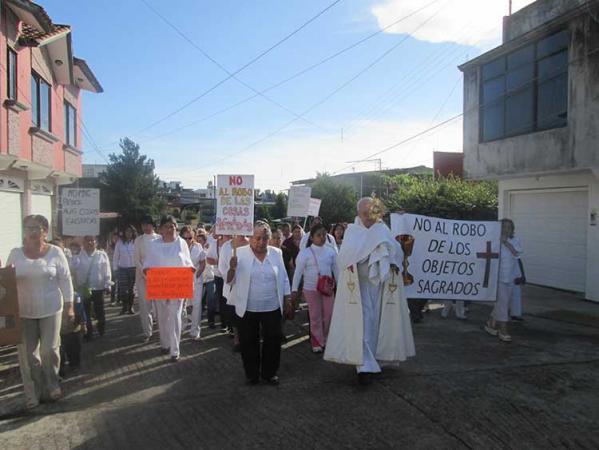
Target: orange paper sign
pixel 165 283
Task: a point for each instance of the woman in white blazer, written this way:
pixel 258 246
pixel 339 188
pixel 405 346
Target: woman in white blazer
pixel 260 289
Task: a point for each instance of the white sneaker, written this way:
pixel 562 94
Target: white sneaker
pixel 316 349
pixel 504 337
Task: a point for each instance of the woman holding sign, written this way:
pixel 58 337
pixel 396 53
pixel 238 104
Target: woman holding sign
pixel 260 289
pixel 169 251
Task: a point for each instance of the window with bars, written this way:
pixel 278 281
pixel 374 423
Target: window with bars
pixel 526 90
pixel 41 114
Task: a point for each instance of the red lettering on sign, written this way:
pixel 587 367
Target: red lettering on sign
pixel 235 180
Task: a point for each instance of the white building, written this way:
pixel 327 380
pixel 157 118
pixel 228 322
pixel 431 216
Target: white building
pixel 531 121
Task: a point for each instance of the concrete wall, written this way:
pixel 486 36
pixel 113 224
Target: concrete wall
pixel 537 14
pixel 562 149
pixel 586 179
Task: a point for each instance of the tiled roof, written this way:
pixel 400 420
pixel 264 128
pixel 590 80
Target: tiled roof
pixel 36 10
pixel 31 36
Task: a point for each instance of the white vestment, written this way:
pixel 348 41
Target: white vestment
pixel 371 319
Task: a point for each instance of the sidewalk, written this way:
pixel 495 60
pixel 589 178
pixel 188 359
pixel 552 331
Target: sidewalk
pixel 464 389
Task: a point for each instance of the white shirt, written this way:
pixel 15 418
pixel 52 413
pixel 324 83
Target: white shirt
pixel 140 250
pixel 241 282
pixel 100 276
pixel 214 253
pixel 123 255
pixel 508 263
pixel 198 255
pixel 43 284
pixel 168 254
pixel 306 265
pixel 329 242
pixel 262 296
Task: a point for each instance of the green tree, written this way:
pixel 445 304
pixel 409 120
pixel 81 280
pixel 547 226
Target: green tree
pixel 279 210
pixel 130 185
pixel 448 198
pixel 338 200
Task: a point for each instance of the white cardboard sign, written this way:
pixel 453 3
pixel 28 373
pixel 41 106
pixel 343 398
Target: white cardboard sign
pixel 314 208
pixel 80 212
pixel 298 204
pixel 448 259
pixel 235 204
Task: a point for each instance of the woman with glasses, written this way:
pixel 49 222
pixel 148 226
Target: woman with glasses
pixel 198 257
pixel 315 261
pixel 169 251
pixel 45 294
pixel 124 263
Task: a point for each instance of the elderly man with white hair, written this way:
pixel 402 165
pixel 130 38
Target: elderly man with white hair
pixel 371 320
pixel 260 292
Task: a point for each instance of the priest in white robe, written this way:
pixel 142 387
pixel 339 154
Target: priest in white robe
pixel 371 320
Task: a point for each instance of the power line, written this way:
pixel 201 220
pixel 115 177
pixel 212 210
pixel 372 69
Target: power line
pixel 332 93
pixel 222 67
pixel 295 75
pixel 451 119
pixel 239 70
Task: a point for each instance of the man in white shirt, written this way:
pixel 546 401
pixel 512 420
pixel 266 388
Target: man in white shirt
pixel 141 246
pixel 93 277
pixel 329 241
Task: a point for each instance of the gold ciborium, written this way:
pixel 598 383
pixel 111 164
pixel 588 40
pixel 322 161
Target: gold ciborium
pixel 407 245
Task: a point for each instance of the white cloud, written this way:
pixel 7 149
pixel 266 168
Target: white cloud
pixel 469 22
pixel 277 162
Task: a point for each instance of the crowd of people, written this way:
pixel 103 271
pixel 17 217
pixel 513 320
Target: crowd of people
pixel 348 276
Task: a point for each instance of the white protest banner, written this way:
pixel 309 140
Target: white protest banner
pixel 235 204
pixel 314 208
pixel 448 259
pixel 298 203
pixel 80 212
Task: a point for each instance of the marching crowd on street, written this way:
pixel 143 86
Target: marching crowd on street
pixel 349 276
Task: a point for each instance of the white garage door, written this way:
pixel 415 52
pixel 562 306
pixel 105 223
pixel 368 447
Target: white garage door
pixel 42 204
pixel 10 225
pixel 552 225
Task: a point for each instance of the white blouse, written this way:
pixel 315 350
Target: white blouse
pixel 100 275
pixel 124 255
pixel 305 266
pixel 43 284
pixel 168 254
pixel 262 296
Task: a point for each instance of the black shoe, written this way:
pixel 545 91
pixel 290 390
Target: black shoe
pixel 364 379
pixel 174 359
pixel 165 351
pixel 517 318
pixel 273 381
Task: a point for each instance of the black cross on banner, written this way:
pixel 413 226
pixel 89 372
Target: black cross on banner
pixel 488 255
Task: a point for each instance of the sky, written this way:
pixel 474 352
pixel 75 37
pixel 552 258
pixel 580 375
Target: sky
pixel 160 79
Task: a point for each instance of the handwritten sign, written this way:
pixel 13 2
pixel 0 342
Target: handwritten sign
pixel 298 204
pixel 167 283
pixel 448 259
pixel 80 212
pixel 314 207
pixel 235 204
pixel 10 324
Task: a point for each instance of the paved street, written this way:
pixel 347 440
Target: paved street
pixel 464 389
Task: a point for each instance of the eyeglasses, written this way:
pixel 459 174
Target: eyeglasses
pixel 188 238
pixel 33 228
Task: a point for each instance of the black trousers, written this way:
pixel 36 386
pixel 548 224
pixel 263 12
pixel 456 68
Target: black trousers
pixel 223 312
pixel 258 361
pixel 97 300
pixel 70 349
pixel 416 306
pixel 126 284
